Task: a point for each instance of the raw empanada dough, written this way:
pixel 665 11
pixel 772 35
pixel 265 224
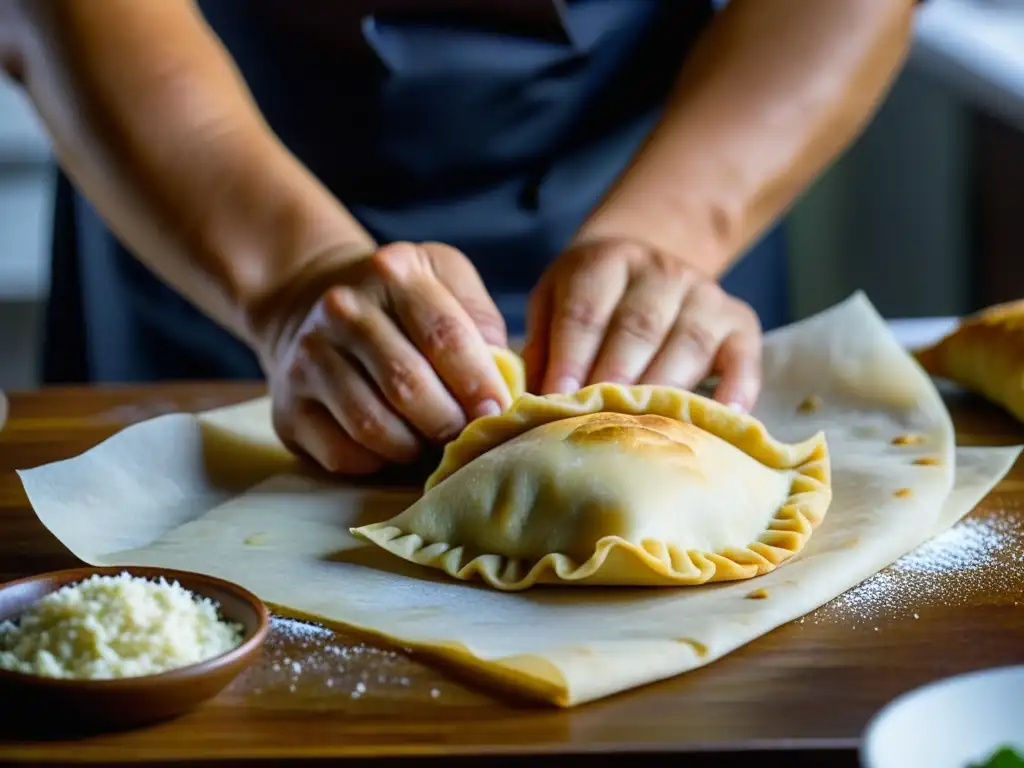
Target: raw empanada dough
pixel 512 370
pixel 613 485
pixel 985 353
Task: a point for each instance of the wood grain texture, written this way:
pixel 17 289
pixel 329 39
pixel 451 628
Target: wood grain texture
pixel 810 685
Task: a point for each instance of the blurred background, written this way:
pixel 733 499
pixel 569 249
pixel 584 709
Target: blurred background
pixel 925 213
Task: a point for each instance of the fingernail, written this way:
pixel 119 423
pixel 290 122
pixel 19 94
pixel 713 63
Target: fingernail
pixel 567 385
pixel 487 408
pixel 738 407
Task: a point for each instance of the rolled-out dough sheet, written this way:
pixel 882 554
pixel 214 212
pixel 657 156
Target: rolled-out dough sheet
pixel 217 493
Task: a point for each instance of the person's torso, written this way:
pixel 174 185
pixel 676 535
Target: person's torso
pixel 491 125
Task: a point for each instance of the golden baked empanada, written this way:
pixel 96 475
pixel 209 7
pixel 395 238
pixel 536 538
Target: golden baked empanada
pixel 613 485
pixel 985 354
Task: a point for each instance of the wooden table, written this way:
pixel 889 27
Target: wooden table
pixel 807 689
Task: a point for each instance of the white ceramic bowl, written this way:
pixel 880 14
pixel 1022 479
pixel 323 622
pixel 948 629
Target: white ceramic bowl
pixel 951 723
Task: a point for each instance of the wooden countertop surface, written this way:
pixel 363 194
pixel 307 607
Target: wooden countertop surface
pixel 806 689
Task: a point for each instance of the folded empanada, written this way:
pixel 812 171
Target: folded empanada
pixel 985 354
pixel 613 485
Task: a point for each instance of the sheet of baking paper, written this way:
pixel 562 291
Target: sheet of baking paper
pixel 178 491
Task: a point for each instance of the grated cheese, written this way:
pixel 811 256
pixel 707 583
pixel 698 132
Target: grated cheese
pixel 108 627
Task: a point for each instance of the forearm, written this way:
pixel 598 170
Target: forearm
pixel 150 119
pixel 771 94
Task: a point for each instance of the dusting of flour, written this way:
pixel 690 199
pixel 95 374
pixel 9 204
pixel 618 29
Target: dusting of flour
pixel 975 556
pixel 307 657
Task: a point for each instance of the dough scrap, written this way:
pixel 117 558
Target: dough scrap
pixel 984 353
pixel 613 485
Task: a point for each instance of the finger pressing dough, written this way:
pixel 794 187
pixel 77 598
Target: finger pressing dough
pixel 985 354
pixel 613 485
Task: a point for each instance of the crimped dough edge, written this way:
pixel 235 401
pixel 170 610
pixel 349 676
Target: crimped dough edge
pixel 614 557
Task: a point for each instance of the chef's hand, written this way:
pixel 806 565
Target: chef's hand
pixel 393 356
pixel 619 311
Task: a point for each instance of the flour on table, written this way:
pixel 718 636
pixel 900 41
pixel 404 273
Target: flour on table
pixel 947 570
pixel 968 546
pixel 307 656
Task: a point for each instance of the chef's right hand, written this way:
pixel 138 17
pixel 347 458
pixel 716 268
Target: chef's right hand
pixel 392 357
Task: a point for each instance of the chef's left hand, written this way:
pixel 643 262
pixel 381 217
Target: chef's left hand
pixel 620 311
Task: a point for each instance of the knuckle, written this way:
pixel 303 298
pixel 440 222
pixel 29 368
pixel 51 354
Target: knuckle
pixel 366 426
pixel 644 324
pixel 445 334
pixel 699 338
pixel 667 266
pixel 310 349
pixel 632 251
pixel 342 303
pixel 404 386
pixel 581 312
pixel 396 261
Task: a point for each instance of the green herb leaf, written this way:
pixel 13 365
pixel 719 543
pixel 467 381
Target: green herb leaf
pixel 1005 757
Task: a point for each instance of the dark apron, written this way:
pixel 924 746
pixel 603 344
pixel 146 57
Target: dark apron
pixel 492 126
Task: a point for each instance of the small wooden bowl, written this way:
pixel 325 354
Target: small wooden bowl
pixel 132 701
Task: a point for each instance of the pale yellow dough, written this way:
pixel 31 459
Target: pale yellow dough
pixel 613 485
pixel 512 370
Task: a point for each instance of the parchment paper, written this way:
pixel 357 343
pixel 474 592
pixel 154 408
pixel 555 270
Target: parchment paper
pixel 170 492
